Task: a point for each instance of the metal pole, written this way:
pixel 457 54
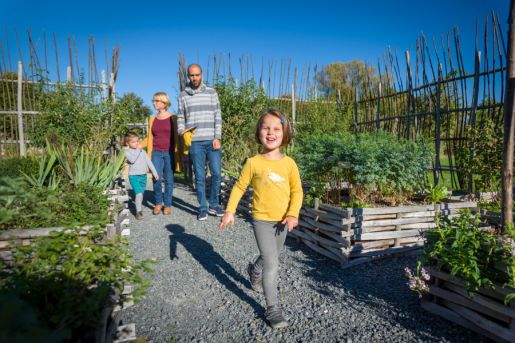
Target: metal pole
pixel 20 113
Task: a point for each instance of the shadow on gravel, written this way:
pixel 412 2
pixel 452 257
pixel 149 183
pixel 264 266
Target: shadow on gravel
pixel 381 286
pixel 185 206
pixel 215 264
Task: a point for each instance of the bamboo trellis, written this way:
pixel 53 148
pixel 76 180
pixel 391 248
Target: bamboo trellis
pixel 438 98
pixel 22 81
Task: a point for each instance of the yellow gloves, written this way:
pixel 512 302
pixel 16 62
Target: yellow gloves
pixel 187 140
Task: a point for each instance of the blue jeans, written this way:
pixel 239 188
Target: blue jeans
pixel 163 161
pixel 198 153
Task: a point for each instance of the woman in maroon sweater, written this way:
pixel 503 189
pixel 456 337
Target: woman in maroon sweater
pixel 162 147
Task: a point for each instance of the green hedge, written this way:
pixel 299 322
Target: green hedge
pixel 378 166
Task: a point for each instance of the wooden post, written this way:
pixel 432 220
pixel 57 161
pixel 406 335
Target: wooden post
pixel 408 68
pixel 509 126
pixel 104 85
pixel 475 92
pixel 437 125
pixel 356 111
pixel 378 115
pixel 293 112
pixel 21 136
pixel 68 74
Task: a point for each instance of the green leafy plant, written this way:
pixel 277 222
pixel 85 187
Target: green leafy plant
pixel 16 166
pixel 460 246
pixel 87 165
pixel 436 193
pixel 25 207
pixel 377 166
pixel 46 177
pixel 241 106
pixel 70 276
pixel 486 152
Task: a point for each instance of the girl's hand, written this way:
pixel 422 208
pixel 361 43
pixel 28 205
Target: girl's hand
pixel 156 177
pixel 227 219
pixel 291 222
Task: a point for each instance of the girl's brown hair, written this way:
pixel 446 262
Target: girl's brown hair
pixel 128 136
pixel 285 122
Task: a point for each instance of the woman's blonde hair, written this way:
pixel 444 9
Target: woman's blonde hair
pixel 163 97
pixel 285 122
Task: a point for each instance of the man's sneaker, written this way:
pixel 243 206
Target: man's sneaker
pixel 216 211
pixel 202 215
pixel 256 279
pixel 274 317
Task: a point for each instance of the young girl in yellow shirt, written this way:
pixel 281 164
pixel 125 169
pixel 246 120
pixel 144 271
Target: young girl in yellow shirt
pixel 276 204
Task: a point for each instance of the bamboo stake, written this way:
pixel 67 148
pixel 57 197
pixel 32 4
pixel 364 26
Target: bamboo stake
pixel 509 126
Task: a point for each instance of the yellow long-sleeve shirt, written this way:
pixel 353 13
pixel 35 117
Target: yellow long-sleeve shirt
pixel 277 188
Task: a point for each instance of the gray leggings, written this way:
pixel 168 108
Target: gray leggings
pixel 270 237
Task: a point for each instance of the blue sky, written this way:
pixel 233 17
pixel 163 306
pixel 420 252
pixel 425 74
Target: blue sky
pixel 152 34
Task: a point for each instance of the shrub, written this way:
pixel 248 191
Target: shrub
pixel 68 277
pixel 241 106
pixel 24 207
pixel 69 116
pixel 16 166
pixel 377 166
pixel 460 246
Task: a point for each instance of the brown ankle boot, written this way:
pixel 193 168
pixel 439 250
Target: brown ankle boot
pixel 157 209
pixel 167 211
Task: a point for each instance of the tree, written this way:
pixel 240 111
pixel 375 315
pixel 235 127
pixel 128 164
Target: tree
pixel 139 112
pixel 346 77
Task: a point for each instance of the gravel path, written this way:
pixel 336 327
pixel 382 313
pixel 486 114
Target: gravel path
pixel 200 292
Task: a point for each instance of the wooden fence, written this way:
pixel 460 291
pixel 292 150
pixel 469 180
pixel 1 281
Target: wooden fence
pixel 21 85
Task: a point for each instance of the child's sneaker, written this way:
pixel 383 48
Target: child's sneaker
pixel 274 317
pixel 256 279
pixel 139 215
pixel 216 211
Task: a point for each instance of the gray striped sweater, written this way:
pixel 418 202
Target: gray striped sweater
pixel 200 108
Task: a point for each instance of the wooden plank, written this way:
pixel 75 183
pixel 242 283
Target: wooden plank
pixel 357 261
pixel 322 226
pixel 420 226
pixel 454 205
pixel 337 237
pixel 484 302
pixel 345 213
pixel 387 235
pixel 464 300
pixel 498 293
pixel 362 245
pixel 324 252
pixel 322 240
pixel 399 221
pixel 319 214
pixel 388 251
pixel 453 317
pixel 480 321
pixel 386 210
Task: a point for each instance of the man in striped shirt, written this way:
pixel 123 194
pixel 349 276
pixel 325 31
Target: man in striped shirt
pixel 199 108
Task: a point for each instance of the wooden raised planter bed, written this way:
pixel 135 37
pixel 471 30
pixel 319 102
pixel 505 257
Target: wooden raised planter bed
pixel 352 236
pixel 109 327
pixel 363 234
pixel 485 313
